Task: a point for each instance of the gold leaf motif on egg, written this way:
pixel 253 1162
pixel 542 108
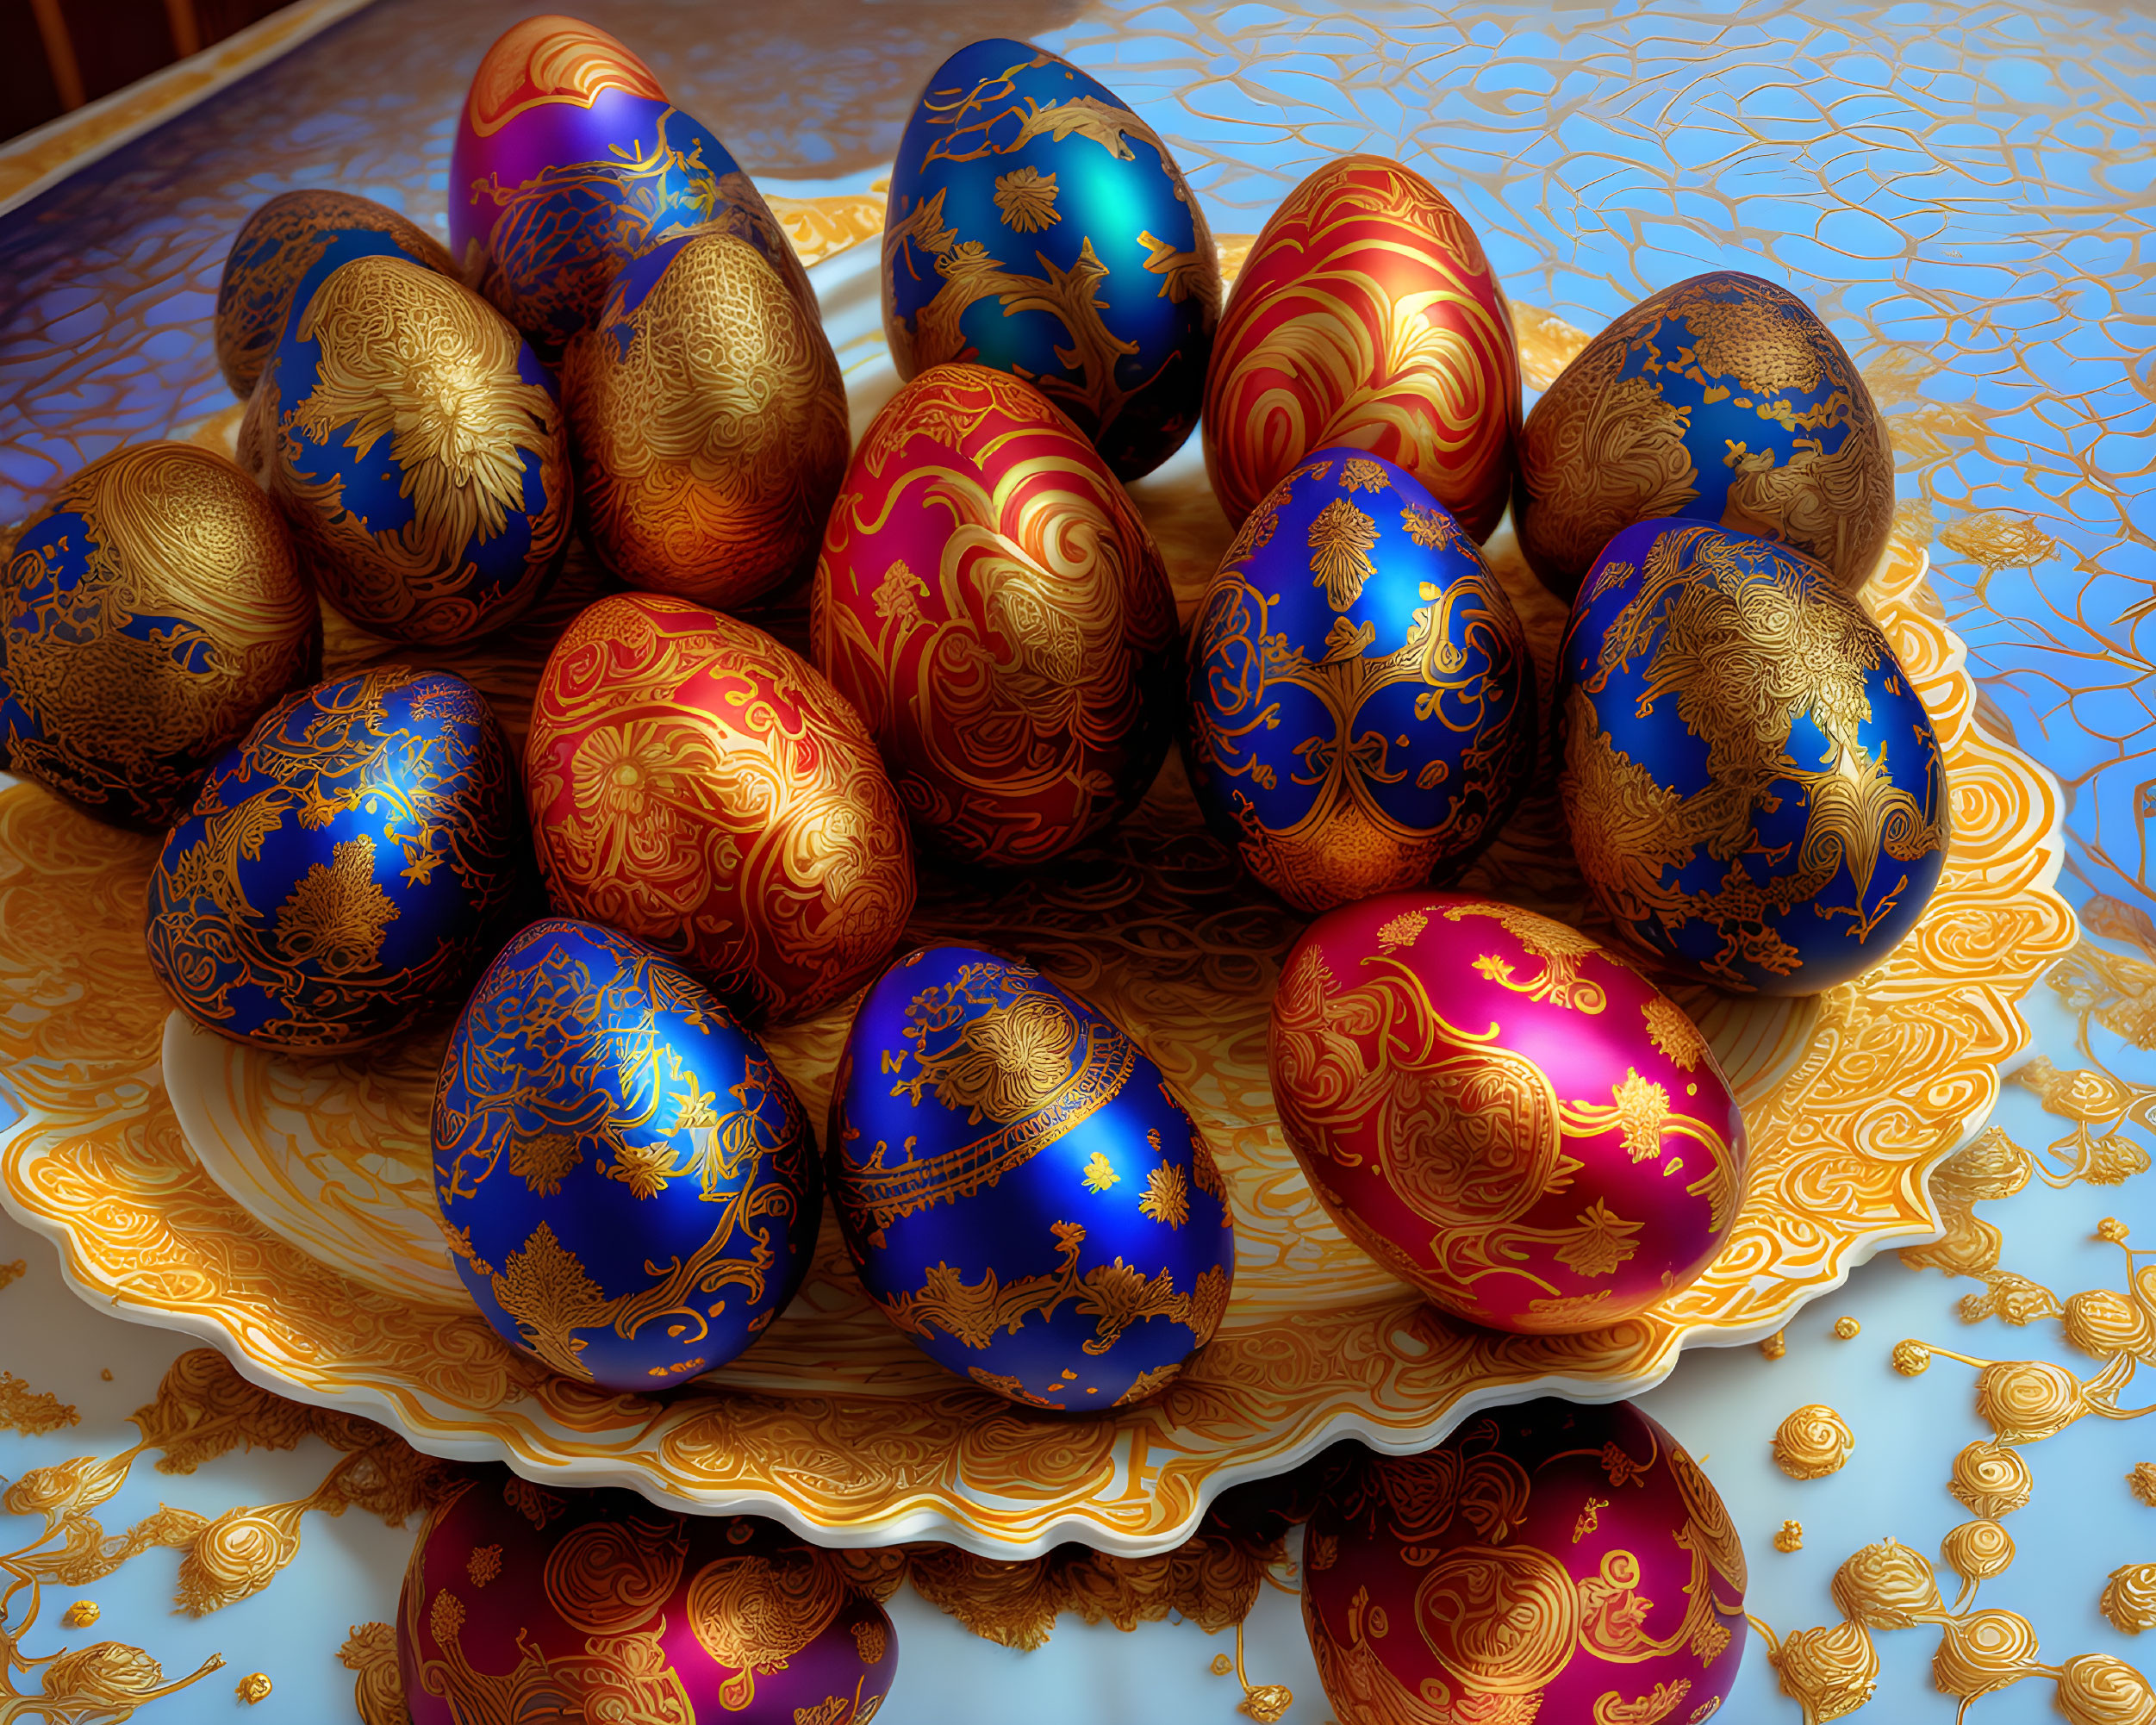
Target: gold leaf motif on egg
pixel 1026 199
pixel 752 1614
pixel 1340 537
pixel 336 916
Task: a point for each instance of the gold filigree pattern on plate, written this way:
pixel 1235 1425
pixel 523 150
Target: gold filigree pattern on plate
pixel 833 1421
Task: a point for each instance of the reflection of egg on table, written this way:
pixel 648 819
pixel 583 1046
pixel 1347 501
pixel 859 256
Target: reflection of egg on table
pixel 628 1185
pixel 1021 1190
pixel 1753 787
pixel 1501 1113
pixel 1038 225
pixel 147 614
pixel 993 606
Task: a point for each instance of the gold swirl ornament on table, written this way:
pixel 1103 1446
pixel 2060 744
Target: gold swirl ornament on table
pixel 279 1211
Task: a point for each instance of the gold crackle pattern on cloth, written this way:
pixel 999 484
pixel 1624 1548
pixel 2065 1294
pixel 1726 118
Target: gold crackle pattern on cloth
pixel 833 1420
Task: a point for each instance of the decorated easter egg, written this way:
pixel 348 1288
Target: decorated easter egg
pixel 415 444
pixel 147 614
pixel 629 1186
pixel 1547 1561
pixel 569 161
pixel 1724 398
pixel 1366 315
pixel 994 609
pixel 1019 1189
pixel 528 1603
pixel 1755 790
pixel 279 244
pixel 1362 699
pixel 695 784
pixel 1038 225
pixel 708 421
pixel 1501 1113
pixel 344 868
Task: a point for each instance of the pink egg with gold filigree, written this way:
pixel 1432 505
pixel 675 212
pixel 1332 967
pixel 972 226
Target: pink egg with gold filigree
pixel 525 1602
pixel 1547 1562
pixel 1502 1113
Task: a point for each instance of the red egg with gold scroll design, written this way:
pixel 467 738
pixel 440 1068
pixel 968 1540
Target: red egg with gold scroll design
pixel 1367 315
pixel 697 785
pixel 1548 1562
pixel 1502 1113
pixel 522 1602
pixel 993 606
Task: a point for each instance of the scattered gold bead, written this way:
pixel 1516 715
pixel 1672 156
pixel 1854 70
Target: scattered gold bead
pixel 1791 1537
pixel 1812 1442
pixel 106 1374
pixel 2130 1600
pixel 252 1688
pixel 1846 1328
pixel 1774 1347
pixel 81 1615
pixel 1222 1665
pixel 2112 1230
pixel 1267 1703
pixel 2142 1482
pixel 1911 1359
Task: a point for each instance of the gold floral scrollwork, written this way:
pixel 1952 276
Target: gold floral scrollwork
pixel 377 1690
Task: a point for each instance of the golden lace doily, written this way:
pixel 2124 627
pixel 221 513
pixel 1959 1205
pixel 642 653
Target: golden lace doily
pixel 280 1210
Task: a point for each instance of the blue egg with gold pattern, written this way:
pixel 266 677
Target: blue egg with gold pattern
pixel 1037 225
pixel 1362 698
pixel 629 1186
pixel 346 868
pixel 1753 787
pixel 1021 1190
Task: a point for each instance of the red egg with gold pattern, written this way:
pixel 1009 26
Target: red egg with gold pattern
pixel 1547 1562
pixel 523 1602
pixel 1367 315
pixel 1501 1113
pixel 993 606
pixel 694 783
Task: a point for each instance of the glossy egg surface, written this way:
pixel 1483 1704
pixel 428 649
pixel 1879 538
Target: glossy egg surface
pixel 1547 1562
pixel 1501 1113
pixel 1724 398
pixel 569 161
pixel 1362 698
pixel 629 1185
pixel 1366 315
pixel 279 244
pixel 996 611
pixel 1038 225
pixel 695 784
pixel 523 1602
pixel 147 614
pixel 344 868
pixel 1021 1192
pixel 416 448
pixel 1753 787
pixel 708 420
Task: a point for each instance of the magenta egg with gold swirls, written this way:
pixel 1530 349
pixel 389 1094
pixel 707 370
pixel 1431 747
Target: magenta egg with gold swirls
pixel 1019 1189
pixel 1362 700
pixel 1753 787
pixel 629 1186
pixel 1501 1113
pixel 344 868
pixel 993 605
pixel 525 1602
pixel 1038 226
pixel 1547 1562
pixel 569 160
pixel 147 614
pixel 416 447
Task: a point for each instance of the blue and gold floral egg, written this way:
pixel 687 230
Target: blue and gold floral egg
pixel 280 244
pixel 1755 790
pixel 1362 698
pixel 1021 1190
pixel 147 614
pixel 415 445
pixel 569 160
pixel 1036 225
pixel 344 868
pixel 1723 398
pixel 628 1185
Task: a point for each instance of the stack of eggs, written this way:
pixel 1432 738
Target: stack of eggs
pixel 1506 1113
